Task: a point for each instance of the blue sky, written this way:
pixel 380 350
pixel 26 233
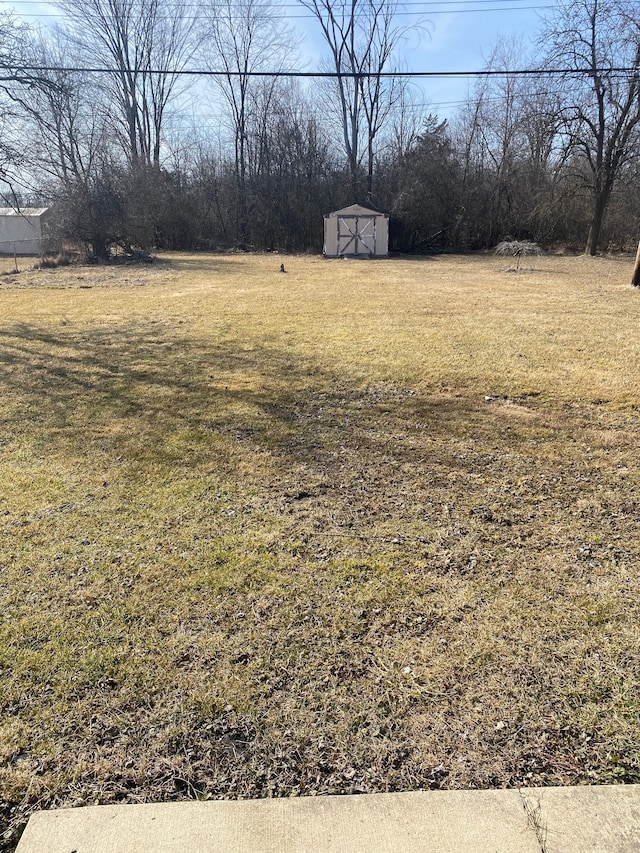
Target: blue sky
pixel 458 36
pixel 463 40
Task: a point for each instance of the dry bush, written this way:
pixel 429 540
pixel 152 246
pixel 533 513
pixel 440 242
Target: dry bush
pixel 518 249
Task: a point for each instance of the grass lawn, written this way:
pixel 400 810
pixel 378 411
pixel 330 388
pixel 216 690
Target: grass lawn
pixel 363 526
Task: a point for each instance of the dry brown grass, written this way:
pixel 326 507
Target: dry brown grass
pixel 357 527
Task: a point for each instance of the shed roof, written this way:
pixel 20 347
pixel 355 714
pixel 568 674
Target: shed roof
pixel 356 210
pixel 23 211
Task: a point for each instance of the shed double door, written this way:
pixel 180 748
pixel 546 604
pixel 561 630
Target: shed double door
pixel 356 235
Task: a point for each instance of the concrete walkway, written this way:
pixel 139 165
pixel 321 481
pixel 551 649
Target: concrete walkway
pixel 533 820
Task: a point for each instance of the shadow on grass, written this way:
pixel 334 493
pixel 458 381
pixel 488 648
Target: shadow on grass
pixel 362 454
pixel 214 263
pixel 74 386
pixel 404 589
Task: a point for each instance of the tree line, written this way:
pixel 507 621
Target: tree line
pixel 90 121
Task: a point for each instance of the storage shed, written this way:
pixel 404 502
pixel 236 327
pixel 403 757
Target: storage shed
pixel 22 230
pixel 356 232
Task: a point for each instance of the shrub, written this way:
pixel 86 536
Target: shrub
pixel 517 249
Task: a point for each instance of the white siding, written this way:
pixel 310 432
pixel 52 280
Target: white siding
pixel 356 232
pixel 21 231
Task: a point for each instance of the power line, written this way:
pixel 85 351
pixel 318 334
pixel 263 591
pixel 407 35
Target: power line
pixel 179 115
pixel 296 5
pixel 311 17
pixel 430 7
pixel 334 75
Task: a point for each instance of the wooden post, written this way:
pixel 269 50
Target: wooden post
pixel 635 278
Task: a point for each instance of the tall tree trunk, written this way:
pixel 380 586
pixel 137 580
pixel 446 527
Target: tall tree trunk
pixel 370 158
pixel 595 229
pixel 355 189
pixel 635 278
pixel 241 176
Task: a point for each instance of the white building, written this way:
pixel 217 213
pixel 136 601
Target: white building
pixel 356 232
pixel 22 230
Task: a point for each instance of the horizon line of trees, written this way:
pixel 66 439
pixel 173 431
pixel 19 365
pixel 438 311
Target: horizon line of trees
pixel 551 158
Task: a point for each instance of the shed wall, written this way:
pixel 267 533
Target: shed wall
pixel 20 234
pixel 330 237
pixel 356 234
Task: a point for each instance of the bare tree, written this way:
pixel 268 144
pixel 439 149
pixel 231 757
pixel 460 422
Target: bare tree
pixel 362 36
pixel 146 44
pixel 408 118
pixel 65 123
pixel 16 77
pixel 518 249
pixel 496 131
pixel 379 94
pixel 247 37
pixel 507 134
pixel 598 42
pixel 12 61
pixel 291 169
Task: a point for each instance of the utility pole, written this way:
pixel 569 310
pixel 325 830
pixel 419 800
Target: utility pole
pixel 635 278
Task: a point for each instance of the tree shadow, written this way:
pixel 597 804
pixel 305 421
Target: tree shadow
pixel 378 488
pixel 214 263
pixel 290 404
pixel 143 390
